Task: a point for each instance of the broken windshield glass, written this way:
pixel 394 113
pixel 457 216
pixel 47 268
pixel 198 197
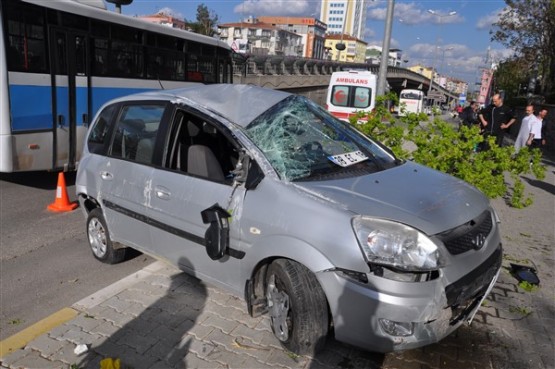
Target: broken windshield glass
pixel 302 141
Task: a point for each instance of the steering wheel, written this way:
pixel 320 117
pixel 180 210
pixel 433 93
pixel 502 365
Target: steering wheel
pixel 312 149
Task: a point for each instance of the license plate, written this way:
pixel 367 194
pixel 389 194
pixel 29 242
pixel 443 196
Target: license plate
pixel 490 287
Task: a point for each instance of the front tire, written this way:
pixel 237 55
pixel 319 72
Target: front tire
pixel 297 307
pixel 99 239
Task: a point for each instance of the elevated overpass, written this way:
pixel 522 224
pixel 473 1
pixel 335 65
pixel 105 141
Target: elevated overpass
pixel 311 77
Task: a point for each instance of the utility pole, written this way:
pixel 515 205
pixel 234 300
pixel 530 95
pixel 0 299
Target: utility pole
pixel 382 74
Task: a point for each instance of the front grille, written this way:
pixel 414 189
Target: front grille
pixel 463 294
pixel 467 236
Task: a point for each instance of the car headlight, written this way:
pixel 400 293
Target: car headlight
pixel 397 245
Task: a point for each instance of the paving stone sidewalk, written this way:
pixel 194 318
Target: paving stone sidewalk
pixel 161 318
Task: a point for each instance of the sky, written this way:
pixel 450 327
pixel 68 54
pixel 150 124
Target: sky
pixel 455 45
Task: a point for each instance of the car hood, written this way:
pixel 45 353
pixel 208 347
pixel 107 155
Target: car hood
pixel 410 193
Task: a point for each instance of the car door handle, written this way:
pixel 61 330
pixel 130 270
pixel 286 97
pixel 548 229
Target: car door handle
pixel 106 176
pixel 162 192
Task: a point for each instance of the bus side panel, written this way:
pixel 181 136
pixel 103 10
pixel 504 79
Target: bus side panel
pixel 62 122
pixel 104 89
pixel 32 151
pixel 6 144
pixel 83 117
pixel 31 107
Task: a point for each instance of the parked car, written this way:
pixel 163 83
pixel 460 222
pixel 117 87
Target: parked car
pixel 267 195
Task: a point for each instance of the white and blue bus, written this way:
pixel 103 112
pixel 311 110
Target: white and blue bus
pixel 411 101
pixel 60 60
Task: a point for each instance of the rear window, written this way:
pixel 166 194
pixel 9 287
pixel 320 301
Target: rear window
pixel 351 96
pixel 411 95
pixel 99 136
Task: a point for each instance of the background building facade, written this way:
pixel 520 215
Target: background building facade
pixel 259 38
pixel 344 16
pixel 165 20
pixel 311 30
pixel 354 51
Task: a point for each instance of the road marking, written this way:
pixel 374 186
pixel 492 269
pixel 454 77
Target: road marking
pixel 21 339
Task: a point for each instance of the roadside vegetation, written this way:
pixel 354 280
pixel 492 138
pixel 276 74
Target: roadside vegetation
pixel 442 146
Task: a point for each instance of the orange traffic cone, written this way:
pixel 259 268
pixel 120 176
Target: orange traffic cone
pixel 62 200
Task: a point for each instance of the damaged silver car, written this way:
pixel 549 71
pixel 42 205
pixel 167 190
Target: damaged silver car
pixel 268 196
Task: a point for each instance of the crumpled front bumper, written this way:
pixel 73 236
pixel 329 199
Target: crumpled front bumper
pixel 434 308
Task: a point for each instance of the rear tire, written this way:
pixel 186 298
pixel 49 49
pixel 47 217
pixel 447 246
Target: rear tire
pixel 99 239
pixel 297 307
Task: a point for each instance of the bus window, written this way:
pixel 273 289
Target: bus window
pixel 26 38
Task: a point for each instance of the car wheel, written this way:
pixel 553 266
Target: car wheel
pixel 99 239
pixel 297 307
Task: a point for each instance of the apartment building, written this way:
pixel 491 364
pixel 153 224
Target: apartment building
pixel 258 38
pixel 311 30
pixel 344 17
pixel 355 49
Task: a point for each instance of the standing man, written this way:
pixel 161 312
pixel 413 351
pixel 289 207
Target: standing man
pixel 548 131
pixel 496 119
pixel 524 133
pixel 535 139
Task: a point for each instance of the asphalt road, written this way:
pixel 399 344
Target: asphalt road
pixel 45 261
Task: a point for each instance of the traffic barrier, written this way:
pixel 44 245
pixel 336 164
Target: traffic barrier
pixel 62 202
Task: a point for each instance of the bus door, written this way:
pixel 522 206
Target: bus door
pixel 69 95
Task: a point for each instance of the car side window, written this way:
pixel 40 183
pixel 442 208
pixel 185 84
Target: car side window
pixel 98 138
pixel 136 131
pixel 198 148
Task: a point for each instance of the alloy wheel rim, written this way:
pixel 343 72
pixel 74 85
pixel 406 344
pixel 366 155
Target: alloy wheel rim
pixel 97 237
pixel 278 306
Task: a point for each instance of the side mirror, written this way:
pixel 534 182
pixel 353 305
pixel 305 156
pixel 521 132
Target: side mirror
pixel 216 238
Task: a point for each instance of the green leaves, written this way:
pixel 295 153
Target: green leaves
pixel 440 145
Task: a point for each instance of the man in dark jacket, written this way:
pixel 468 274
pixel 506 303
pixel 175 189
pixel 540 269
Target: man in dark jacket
pixel 496 119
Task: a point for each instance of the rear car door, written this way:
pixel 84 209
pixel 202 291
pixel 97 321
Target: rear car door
pixel 125 173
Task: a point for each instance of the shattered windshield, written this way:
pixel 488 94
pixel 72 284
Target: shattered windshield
pixel 303 142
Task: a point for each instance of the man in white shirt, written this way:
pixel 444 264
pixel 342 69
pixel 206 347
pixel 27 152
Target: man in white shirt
pixel 535 138
pixel 524 131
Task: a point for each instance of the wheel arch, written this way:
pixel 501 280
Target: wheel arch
pixel 88 203
pixel 289 248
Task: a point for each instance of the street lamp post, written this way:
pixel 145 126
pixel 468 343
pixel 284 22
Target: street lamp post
pixel 443 57
pixel 382 74
pixel 441 16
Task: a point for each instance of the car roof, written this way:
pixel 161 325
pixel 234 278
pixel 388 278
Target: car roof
pixel 238 103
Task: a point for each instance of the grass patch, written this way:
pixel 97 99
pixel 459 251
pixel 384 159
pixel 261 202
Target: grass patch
pixel 528 287
pixel 524 311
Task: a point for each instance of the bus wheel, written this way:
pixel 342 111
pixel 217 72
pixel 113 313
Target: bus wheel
pixel 99 239
pixel 297 307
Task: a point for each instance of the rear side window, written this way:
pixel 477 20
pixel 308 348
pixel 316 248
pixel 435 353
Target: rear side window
pixel 99 136
pixel 351 96
pixel 136 131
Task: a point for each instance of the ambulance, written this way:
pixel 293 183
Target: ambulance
pixel 350 92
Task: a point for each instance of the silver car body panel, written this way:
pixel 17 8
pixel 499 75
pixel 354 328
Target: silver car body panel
pixel 306 221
